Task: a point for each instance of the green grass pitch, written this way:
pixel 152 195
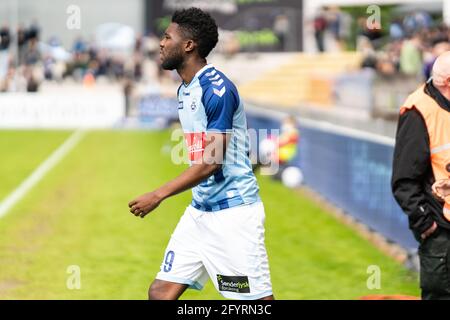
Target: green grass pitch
pixel 78 215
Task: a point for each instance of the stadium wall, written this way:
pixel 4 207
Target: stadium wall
pixel 350 168
pixel 64 110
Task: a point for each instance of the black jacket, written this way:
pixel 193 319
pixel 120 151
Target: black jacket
pixel 412 175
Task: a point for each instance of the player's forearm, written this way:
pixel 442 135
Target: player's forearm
pixel 188 179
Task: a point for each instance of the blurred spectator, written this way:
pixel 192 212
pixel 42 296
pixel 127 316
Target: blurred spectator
pixel 411 57
pixel 151 45
pixel 32 54
pixel 438 48
pixel 21 43
pixel 281 27
pixel 416 21
pixel 373 33
pixel 320 25
pixel 79 46
pixel 229 43
pixel 128 87
pixel 385 65
pixel 345 28
pixel 333 17
pixel 31 80
pixel 138 59
pixel 396 30
pixel 5 39
pixel 280 149
pixel 33 31
pixel 288 140
pixel 48 66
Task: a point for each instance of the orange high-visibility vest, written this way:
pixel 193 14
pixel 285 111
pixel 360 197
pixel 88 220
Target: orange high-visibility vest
pixel 437 121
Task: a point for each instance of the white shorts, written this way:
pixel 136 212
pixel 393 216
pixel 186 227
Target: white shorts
pixel 228 245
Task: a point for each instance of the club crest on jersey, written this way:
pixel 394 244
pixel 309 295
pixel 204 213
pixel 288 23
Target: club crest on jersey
pixel 194 105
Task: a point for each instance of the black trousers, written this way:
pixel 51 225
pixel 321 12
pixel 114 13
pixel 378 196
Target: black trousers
pixel 435 265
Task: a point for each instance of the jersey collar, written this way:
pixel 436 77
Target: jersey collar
pixel 199 74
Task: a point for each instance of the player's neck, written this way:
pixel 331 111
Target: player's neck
pixel 189 69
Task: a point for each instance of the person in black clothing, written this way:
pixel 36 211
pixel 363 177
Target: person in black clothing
pixel 5 38
pixel 320 26
pixel 412 181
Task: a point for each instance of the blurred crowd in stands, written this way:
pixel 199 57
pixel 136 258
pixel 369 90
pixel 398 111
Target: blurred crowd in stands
pixel 408 45
pixel 334 22
pixel 26 61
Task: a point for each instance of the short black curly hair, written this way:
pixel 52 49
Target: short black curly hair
pixel 199 26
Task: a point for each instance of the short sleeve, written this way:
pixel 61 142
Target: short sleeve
pixel 220 106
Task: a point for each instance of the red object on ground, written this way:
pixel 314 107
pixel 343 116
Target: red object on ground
pixel 388 297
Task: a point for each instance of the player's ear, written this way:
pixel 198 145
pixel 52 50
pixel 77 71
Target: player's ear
pixel 189 45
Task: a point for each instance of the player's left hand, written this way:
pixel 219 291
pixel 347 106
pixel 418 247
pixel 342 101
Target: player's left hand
pixel 144 204
pixel 441 189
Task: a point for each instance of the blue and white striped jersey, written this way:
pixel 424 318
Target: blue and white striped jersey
pixel 211 103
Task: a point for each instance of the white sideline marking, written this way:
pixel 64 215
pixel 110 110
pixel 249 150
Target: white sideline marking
pixel 40 172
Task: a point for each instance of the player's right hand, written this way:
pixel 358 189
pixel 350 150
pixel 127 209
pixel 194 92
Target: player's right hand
pixel 144 204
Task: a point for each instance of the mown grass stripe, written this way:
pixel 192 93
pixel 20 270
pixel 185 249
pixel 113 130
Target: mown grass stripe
pixel 17 194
